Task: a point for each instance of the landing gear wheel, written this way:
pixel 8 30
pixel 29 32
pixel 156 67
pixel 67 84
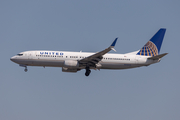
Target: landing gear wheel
pixel 87 72
pixel 25 69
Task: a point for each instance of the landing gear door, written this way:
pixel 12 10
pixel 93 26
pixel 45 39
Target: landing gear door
pixel 30 55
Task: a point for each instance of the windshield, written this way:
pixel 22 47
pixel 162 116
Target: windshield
pixel 19 54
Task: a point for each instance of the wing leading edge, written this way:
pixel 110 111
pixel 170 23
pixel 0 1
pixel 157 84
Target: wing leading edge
pixel 95 58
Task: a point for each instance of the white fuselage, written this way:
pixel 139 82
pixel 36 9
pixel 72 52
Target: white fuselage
pixel 75 61
pixel 57 59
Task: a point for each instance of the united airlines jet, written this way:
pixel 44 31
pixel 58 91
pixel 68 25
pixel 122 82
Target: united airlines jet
pixel 75 61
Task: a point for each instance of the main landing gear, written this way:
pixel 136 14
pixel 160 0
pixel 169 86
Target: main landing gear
pixel 88 71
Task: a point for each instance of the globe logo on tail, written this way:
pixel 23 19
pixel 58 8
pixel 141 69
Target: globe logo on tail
pixel 149 49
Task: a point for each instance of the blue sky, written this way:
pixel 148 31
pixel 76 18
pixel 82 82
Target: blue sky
pixel 47 93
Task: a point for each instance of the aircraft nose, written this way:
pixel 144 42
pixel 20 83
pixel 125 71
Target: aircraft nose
pixel 12 58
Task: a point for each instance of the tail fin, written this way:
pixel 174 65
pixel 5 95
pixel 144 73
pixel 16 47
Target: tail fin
pixel 153 46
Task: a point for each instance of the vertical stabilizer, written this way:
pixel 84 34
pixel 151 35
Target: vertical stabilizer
pixel 153 46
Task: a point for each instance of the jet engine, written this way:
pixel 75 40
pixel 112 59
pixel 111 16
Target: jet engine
pixel 71 64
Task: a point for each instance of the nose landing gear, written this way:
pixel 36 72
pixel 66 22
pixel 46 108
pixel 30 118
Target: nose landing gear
pixel 25 67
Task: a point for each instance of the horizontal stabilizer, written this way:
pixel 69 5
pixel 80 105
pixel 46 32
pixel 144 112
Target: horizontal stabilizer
pixel 157 56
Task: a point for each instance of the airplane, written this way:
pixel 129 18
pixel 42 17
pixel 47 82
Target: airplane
pixel 76 61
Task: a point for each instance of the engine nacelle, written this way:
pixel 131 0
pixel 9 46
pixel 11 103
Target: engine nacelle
pixel 64 69
pixel 71 64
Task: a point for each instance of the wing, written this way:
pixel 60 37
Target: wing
pixel 95 58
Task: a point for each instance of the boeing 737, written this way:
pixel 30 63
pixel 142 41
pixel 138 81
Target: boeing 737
pixel 75 61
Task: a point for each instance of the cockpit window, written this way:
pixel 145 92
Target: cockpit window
pixel 20 54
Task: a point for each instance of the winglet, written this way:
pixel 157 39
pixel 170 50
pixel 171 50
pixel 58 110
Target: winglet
pixel 113 44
